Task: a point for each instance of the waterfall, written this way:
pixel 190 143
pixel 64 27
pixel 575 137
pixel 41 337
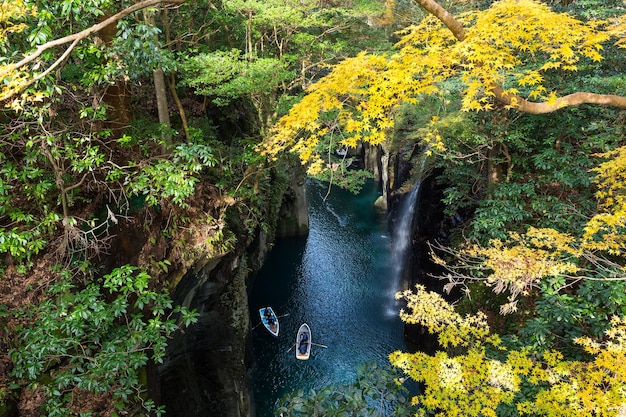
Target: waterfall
pixel 401 246
pixel 402 233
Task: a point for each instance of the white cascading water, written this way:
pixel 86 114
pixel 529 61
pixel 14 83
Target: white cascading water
pixel 401 248
pixel 402 232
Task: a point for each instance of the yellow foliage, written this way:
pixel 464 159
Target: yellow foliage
pixel 431 311
pixel 519 264
pixel 618 30
pixel 605 231
pixel 513 43
pixel 584 388
pixel 472 383
pixel 11 11
pixel 533 35
pixel 12 81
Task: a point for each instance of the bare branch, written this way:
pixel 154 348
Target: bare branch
pixel 576 99
pixel 56 63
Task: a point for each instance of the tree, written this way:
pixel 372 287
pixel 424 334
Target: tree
pixel 530 28
pixel 284 45
pixel 227 77
pixel 483 377
pixel 69 176
pixel 362 94
pixel 58 136
pixel 18 70
pixel 83 345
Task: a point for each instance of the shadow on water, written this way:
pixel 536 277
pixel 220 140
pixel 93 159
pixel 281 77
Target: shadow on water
pixel 340 280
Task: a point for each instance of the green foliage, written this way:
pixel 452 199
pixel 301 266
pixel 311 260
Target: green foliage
pixel 503 211
pixel 377 392
pixel 544 164
pixel 96 340
pixel 227 76
pixel 172 179
pixel 309 31
pixel 222 241
pixel 590 9
pixel 140 45
pixel 560 318
pixel 276 48
pixel 348 179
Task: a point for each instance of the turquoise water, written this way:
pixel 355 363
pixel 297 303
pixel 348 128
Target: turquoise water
pixel 341 281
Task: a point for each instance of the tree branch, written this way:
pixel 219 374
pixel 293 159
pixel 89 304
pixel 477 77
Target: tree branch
pixel 76 37
pixel 56 63
pixel 444 16
pixel 514 101
pixel 575 99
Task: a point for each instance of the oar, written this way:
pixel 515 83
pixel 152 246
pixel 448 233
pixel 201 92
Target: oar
pixel 294 345
pixel 284 315
pixel 317 344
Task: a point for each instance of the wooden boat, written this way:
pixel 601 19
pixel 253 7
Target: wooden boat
pixel 269 320
pixel 303 342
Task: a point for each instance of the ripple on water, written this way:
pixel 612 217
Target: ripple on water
pixel 339 280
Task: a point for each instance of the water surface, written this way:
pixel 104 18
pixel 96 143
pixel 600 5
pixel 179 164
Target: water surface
pixel 341 281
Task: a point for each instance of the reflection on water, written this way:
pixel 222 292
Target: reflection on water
pixel 339 281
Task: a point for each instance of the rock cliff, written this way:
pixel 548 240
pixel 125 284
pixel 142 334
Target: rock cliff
pixel 205 371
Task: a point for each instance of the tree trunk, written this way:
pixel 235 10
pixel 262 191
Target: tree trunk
pixel 117 95
pixel 160 89
pixel 179 106
pixel 164 114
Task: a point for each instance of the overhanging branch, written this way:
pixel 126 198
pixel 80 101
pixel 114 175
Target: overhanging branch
pixel 575 99
pixel 76 37
pixel 515 101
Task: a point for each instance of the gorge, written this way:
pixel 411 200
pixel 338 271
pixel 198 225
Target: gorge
pixel 339 274
pixel 340 280
pixel 168 167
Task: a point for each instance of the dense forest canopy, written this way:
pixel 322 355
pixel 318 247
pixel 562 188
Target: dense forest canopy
pixel 183 107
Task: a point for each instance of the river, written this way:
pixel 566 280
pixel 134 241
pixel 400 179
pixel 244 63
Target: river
pixel 340 280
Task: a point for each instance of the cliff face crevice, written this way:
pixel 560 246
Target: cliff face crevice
pixel 205 372
pixel 430 225
pixel 293 217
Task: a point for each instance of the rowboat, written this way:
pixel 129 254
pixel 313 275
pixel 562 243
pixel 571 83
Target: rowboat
pixel 269 320
pixel 303 342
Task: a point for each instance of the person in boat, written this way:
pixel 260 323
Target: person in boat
pixel 303 343
pixel 268 317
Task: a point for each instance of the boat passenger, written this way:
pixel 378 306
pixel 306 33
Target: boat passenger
pixel 304 337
